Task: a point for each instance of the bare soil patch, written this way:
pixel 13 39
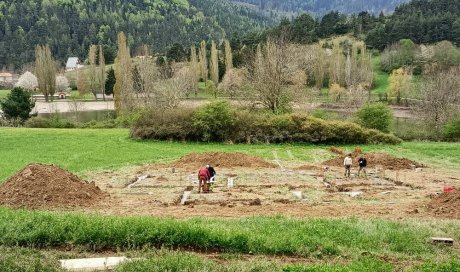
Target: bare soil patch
pixel 377 159
pixel 447 204
pixel 48 186
pixel 221 159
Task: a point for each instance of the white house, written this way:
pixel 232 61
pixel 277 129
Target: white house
pixel 73 63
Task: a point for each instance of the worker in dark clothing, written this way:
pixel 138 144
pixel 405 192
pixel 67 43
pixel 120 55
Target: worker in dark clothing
pixel 211 170
pixel 212 175
pixel 203 177
pixel 362 166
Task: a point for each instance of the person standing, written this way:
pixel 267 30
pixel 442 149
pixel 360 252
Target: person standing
pixel 203 176
pixel 347 162
pixel 362 166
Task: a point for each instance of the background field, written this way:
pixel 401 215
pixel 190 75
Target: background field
pixel 81 150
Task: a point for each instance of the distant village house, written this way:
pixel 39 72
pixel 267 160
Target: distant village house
pixel 72 64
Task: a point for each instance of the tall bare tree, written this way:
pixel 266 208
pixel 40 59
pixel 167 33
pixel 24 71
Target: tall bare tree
pixel 45 70
pixel 93 83
pixel 214 65
pixel 440 98
pixel 101 73
pixel 276 76
pixel 203 57
pixel 123 92
pixel 194 65
pixel 228 56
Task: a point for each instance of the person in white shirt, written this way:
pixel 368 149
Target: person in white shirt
pixel 347 162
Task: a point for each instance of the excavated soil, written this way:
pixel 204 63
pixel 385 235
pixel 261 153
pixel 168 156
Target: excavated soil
pixel 447 205
pixel 48 186
pixel 377 159
pixel 220 159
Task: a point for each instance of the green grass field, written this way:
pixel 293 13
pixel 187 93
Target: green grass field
pixel 352 244
pixel 4 93
pixel 381 82
pixel 336 240
pixel 81 150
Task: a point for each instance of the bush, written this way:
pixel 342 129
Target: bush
pixel 452 129
pixel 218 122
pixel 376 116
pixel 173 124
pixel 37 122
pixel 214 122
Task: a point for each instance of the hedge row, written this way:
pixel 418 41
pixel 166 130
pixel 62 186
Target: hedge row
pixel 219 122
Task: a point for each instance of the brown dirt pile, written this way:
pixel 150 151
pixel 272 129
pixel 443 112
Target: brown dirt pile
pixel 45 186
pixel 447 204
pixel 221 159
pixel 377 159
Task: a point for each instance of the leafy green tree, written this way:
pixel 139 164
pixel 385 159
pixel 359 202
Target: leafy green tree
pixel 110 81
pixel 215 121
pixel 176 53
pixel 17 105
pixel 376 116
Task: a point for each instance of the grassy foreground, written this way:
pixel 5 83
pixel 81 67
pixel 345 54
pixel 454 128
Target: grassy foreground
pixel 342 240
pixel 80 150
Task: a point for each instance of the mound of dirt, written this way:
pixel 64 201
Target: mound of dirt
pixel 446 204
pixel 377 159
pixel 45 186
pixel 220 159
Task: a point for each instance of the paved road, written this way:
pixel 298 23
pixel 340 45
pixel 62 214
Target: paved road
pixel 67 106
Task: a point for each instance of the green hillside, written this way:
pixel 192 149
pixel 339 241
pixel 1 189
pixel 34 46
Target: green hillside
pixel 70 26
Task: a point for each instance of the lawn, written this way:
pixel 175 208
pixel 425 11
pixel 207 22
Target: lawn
pixel 4 93
pixel 80 150
pixel 380 77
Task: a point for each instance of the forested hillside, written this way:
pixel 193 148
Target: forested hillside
pixel 70 26
pixel 321 7
pixel 422 21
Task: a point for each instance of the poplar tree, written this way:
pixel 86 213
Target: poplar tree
pixel 93 75
pixel 203 61
pixel 123 73
pixel 214 65
pixel 101 73
pixel 228 56
pixel 45 71
pixel 195 69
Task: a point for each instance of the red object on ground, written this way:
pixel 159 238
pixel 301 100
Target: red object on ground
pixel 448 189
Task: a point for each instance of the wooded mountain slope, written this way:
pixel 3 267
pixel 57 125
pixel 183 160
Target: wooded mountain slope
pixel 70 26
pixel 321 7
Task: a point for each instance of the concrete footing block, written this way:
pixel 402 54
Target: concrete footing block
pixel 92 264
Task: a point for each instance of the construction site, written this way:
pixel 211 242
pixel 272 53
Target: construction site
pixel 394 188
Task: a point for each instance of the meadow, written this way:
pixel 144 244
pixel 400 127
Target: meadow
pixel 34 240
pixel 80 150
pixel 4 93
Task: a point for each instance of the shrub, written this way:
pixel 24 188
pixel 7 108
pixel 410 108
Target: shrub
pixel 452 129
pixel 214 122
pixel 376 116
pixel 37 122
pixel 218 122
pixel 172 124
